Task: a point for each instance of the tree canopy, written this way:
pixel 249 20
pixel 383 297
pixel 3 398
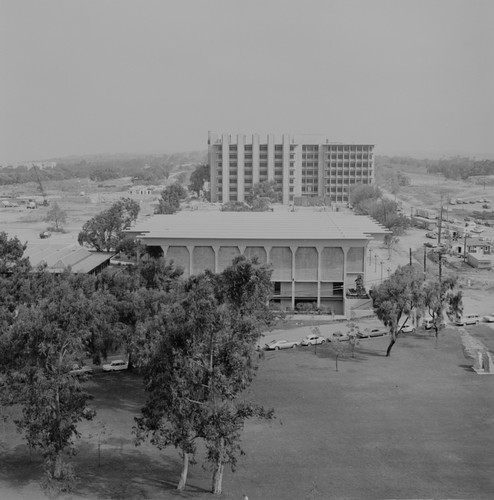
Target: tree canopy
pixel 56 216
pixel 204 359
pixel 396 299
pixel 198 177
pixel 104 232
pixel 169 203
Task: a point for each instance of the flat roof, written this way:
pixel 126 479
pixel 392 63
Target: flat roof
pixel 259 225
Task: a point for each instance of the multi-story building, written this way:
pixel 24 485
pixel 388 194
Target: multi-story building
pixel 315 256
pixel 307 168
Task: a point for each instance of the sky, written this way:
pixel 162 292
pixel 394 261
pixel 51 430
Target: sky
pixel 78 77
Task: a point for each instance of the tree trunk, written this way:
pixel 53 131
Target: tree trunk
pixel 218 478
pixel 390 346
pixel 185 469
pixel 57 466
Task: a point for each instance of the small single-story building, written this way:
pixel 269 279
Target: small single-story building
pixel 472 245
pixel 141 190
pixel 315 256
pixel 58 258
pixel 479 260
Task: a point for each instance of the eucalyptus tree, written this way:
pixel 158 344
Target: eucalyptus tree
pixel 38 352
pixel 204 358
pixel 398 298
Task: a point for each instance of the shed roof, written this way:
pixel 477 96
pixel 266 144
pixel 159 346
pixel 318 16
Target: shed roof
pixel 58 257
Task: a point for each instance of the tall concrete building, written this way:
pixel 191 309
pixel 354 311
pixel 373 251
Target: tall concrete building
pixel 306 167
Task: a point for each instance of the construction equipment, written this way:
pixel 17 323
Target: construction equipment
pixel 40 186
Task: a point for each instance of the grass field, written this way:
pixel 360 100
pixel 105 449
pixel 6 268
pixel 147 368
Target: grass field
pixel 416 425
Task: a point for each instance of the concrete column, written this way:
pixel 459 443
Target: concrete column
pixel 240 167
pixel 345 253
pixel 213 165
pixel 190 249
pixel 225 151
pixel 319 274
pixel 297 186
pixel 267 249
pixel 216 258
pixel 255 159
pixel 321 188
pixel 270 157
pixel 286 170
pixel 294 251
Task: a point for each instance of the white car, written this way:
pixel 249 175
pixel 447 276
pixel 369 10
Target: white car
pixel 313 340
pixel 81 370
pixel 375 332
pixel 274 345
pixel 407 329
pixel 116 365
pixel 489 318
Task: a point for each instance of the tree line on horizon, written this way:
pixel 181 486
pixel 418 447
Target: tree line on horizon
pixel 143 169
pixel 455 168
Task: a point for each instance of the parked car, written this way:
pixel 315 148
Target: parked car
pixel 407 329
pixel 489 318
pixel 116 365
pixel 485 205
pixel 342 337
pixel 81 370
pixel 45 234
pixel 428 244
pixel 468 319
pixel 375 332
pixel 431 234
pixel 312 340
pixel 274 345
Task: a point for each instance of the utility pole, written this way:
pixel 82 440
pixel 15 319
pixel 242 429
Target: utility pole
pixel 410 257
pixel 440 254
pixel 425 259
pixel 440 223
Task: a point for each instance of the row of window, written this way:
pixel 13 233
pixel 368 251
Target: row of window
pixel 305 147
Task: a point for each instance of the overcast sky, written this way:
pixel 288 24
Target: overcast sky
pixel 113 76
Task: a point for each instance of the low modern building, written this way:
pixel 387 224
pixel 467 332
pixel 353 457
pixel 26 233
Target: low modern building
pixel 315 256
pixel 305 167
